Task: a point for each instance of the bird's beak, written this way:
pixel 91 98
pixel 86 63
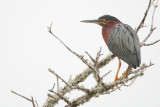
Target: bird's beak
pixel 91 21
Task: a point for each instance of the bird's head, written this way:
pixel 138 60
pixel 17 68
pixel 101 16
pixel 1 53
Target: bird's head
pixel 103 20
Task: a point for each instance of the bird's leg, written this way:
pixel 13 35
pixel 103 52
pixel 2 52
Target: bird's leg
pixel 126 73
pixel 116 78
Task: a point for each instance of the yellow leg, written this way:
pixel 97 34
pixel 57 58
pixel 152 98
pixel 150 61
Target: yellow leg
pixel 116 78
pixel 126 73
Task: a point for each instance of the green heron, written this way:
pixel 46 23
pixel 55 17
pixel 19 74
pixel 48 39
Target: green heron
pixel 121 40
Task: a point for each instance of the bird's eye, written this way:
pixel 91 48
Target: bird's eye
pixel 102 20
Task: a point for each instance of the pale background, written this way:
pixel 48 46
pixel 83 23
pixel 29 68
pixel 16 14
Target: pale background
pixel 28 50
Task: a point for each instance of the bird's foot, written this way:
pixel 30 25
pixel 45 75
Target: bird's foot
pixel 126 74
pixel 120 79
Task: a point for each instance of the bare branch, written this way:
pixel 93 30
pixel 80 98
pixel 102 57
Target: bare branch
pixel 53 86
pixel 59 77
pixel 152 24
pixel 76 54
pixel 105 74
pixel 82 89
pixel 57 84
pixel 30 100
pixel 36 103
pixel 33 102
pixel 54 97
pixel 78 79
pixel 93 60
pixel 61 96
pixel 99 90
pixel 149 44
pixel 145 15
pixel 96 72
pixel 22 96
pixel 131 82
pixel 73 86
pixel 106 60
pixel 112 90
pixel 98 56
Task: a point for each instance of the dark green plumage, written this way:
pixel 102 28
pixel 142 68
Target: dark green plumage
pixel 108 17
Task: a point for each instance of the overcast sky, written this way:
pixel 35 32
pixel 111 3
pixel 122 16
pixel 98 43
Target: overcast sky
pixel 28 50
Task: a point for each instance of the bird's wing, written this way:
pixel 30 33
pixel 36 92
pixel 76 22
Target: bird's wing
pixel 124 43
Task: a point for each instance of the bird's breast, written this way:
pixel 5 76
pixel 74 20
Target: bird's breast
pixel 106 33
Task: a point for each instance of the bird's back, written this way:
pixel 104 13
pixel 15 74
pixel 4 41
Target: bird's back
pixel 124 43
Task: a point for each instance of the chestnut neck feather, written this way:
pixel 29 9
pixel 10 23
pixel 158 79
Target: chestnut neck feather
pixel 107 28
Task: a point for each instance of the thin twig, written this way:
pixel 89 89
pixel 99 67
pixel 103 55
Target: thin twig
pixel 54 97
pixel 36 103
pixel 59 77
pixel 22 96
pixel 79 56
pixel 108 92
pixel 31 100
pixel 145 15
pixel 93 60
pixel 98 56
pixel 105 74
pixel 152 28
pixel 61 96
pixel 53 86
pixel 130 83
pixel 57 84
pixel 149 44
pixel 95 67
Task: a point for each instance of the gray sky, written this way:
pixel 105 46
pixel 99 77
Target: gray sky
pixel 28 50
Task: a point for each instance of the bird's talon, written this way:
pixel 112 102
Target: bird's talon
pixel 125 74
pixel 120 79
pixel 118 87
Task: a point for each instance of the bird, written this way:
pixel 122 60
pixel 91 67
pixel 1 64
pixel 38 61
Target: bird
pixel 121 40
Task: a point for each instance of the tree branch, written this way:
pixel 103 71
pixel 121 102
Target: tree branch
pixel 149 44
pixel 59 77
pixel 105 74
pixel 99 90
pixel 152 28
pixel 144 18
pixel 30 100
pixel 61 97
pixel 94 68
pixel 51 101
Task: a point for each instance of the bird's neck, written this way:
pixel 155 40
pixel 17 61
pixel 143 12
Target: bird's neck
pixel 106 30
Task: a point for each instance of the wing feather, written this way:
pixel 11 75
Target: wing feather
pixel 124 43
